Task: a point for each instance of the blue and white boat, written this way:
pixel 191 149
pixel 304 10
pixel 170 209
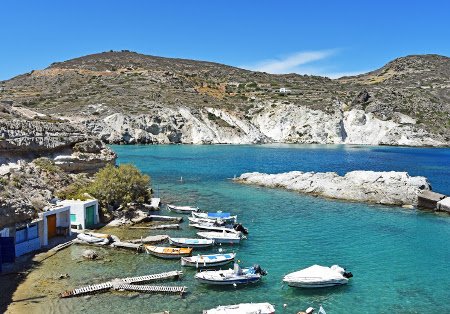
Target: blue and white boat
pixel 235 276
pixel 204 261
pixel 194 243
pixel 216 216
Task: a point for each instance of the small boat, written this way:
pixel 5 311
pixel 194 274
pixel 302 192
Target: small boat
pixel 230 276
pixel 216 216
pixel 204 261
pixel 221 237
pixel 168 252
pixel 236 228
pixel 93 239
pixel 317 276
pixel 243 308
pixel 182 209
pixel 206 221
pixel 185 242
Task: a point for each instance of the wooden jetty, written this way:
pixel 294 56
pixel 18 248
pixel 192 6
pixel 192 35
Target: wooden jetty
pixel 150 289
pixel 151 239
pixel 127 245
pixel 130 284
pixel 165 218
pixel 164 227
pixel 158 227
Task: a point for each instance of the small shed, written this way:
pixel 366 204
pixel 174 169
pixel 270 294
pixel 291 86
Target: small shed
pixel 54 221
pixel 429 199
pixel 444 205
pixel 83 214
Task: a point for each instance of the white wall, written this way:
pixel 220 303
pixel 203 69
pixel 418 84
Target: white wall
pixel 78 208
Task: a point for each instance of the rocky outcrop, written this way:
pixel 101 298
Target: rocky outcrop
pixel 27 187
pixel 88 156
pixel 268 123
pixel 389 188
pixel 18 136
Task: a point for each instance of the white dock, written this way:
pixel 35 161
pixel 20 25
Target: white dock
pixel 165 218
pixel 151 239
pixel 129 284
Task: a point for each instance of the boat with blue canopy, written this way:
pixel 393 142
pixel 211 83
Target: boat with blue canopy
pixel 211 260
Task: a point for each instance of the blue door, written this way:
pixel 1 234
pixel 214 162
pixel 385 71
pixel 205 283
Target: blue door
pixel 7 250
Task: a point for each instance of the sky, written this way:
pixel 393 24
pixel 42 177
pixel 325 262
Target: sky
pixel 329 38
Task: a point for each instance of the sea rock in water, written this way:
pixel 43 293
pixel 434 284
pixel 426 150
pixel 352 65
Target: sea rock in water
pixel 90 254
pixel 390 188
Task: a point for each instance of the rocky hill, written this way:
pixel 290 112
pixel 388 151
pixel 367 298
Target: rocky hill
pixel 125 97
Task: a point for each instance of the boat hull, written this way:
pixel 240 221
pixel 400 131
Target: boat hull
pixel 168 256
pixel 237 281
pixel 250 308
pixel 205 262
pixel 193 245
pixel 219 239
pixel 182 209
pixel 299 284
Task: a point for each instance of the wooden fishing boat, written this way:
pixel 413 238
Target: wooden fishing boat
pixel 182 209
pixel 168 252
pixel 194 243
pixel 233 276
pixel 247 308
pixel 221 237
pixel 204 261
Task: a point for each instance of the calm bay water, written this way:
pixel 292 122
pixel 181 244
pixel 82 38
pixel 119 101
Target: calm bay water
pixel 399 257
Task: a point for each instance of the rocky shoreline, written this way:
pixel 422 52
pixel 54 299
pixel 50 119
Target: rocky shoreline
pixel 387 188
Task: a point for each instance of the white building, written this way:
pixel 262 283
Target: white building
pixel 284 90
pixel 83 214
pixel 54 221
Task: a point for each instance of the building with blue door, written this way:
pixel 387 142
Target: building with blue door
pixel 83 214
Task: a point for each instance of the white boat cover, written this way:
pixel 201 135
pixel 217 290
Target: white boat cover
pixel 317 273
pixel 243 308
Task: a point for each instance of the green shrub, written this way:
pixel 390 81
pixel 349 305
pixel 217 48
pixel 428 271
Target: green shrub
pixel 47 165
pixel 118 186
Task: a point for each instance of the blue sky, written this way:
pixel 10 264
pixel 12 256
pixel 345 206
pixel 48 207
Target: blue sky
pixel 313 37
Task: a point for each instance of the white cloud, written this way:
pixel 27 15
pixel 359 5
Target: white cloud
pixel 295 63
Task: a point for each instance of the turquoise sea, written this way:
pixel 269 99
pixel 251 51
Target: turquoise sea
pixel 399 257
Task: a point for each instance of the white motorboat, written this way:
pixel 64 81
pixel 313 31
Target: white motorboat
pixel 221 237
pixel 206 221
pixel 93 239
pixel 236 228
pixel 233 276
pixel 194 243
pixel 182 209
pixel 216 216
pixel 204 261
pixel 317 276
pixel 243 308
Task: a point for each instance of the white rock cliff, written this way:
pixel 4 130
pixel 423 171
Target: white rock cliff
pixel 389 188
pixel 273 123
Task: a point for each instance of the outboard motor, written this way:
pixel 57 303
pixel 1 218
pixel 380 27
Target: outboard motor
pixel 259 270
pixel 347 274
pixel 240 227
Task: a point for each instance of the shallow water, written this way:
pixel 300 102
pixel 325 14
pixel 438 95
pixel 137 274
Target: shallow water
pixel 399 257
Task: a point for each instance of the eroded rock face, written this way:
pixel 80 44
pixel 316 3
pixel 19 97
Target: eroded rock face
pixel 26 135
pixel 27 187
pixel 88 156
pixel 389 188
pixel 268 123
